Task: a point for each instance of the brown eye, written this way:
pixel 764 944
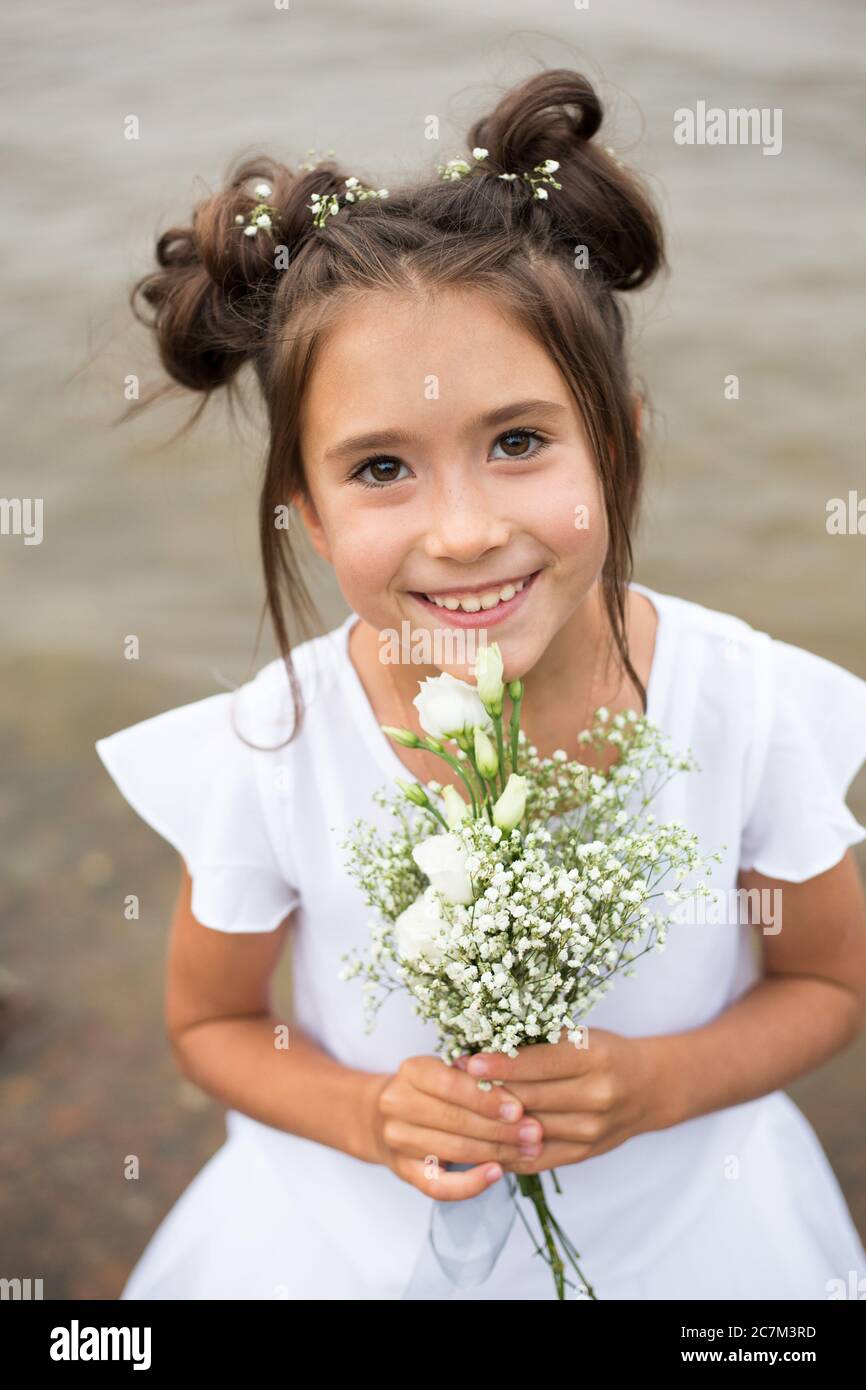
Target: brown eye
pixel 517 444
pixel 381 472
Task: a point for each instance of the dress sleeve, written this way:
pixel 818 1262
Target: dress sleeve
pixel 813 715
pixel 190 776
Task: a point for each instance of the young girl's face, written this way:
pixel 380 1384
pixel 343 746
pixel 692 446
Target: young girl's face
pixel 445 456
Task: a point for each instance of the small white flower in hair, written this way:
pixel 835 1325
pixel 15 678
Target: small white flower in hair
pixel 453 169
pixel 262 215
pixel 326 205
pixel 459 168
pixel 263 190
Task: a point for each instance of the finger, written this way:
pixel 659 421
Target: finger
pixel 578 1127
pixel 589 1092
pixel 557 1154
pixel 534 1062
pixel 560 1153
pixel 434 1077
pixel 420 1108
pixel 438 1146
pixel 445 1185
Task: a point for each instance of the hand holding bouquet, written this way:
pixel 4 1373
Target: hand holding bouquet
pixel 507 912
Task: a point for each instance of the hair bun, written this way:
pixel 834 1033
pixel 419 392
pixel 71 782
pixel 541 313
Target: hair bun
pixel 554 115
pixel 212 293
pixel 553 111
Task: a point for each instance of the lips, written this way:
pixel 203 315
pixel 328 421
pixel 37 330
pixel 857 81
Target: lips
pixel 483 617
pixel 471 600
pixel 477 590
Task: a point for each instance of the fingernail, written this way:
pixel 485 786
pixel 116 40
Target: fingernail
pixel 477 1067
pixel 529 1131
pixel 510 1110
pixel 492 1174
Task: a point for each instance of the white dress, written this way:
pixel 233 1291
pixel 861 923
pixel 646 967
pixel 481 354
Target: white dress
pixel 738 1204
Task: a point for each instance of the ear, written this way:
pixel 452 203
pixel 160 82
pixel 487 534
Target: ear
pixel 313 526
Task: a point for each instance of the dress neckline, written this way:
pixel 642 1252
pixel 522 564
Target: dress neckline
pixel 381 746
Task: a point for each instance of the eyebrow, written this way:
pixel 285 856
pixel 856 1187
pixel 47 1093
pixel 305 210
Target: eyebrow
pixel 386 439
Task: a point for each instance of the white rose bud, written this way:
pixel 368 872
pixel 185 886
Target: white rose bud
pixel 456 809
pixel 448 707
pixel 508 810
pixel 413 792
pixel 488 678
pixel 443 859
pixel 486 756
pixel 404 737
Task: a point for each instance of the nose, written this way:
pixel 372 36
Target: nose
pixel 464 521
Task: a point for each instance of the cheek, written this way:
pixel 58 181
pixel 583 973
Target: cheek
pixel 569 516
pixel 366 556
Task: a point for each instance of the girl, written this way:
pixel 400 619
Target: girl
pixel 452 416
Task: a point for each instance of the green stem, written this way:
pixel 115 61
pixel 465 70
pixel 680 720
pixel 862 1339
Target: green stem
pixel 497 720
pixel 514 729
pixel 441 819
pixel 485 794
pixel 489 785
pixel 532 1187
pixel 452 762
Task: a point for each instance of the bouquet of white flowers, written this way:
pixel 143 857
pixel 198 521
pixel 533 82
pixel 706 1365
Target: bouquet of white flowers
pixel 507 913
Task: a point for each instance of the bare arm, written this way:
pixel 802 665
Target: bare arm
pixel 808 1005
pixel 225 1037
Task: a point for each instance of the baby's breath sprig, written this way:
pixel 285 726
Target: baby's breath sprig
pixel 325 205
pixel 543 173
pixel 263 216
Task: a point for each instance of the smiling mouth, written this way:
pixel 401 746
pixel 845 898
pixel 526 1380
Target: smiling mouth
pixel 493 602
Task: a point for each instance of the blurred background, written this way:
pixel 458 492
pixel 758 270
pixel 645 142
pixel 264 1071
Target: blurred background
pixel 156 536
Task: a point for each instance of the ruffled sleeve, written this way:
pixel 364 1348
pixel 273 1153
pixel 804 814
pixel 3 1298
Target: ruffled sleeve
pixel 810 742
pixel 190 776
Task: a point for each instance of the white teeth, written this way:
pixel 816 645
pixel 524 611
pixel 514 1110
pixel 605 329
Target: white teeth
pixel 472 603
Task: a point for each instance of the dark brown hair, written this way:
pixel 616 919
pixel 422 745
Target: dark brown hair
pixel 220 299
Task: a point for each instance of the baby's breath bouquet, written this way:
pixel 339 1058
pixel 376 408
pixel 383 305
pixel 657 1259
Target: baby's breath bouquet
pixel 507 912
